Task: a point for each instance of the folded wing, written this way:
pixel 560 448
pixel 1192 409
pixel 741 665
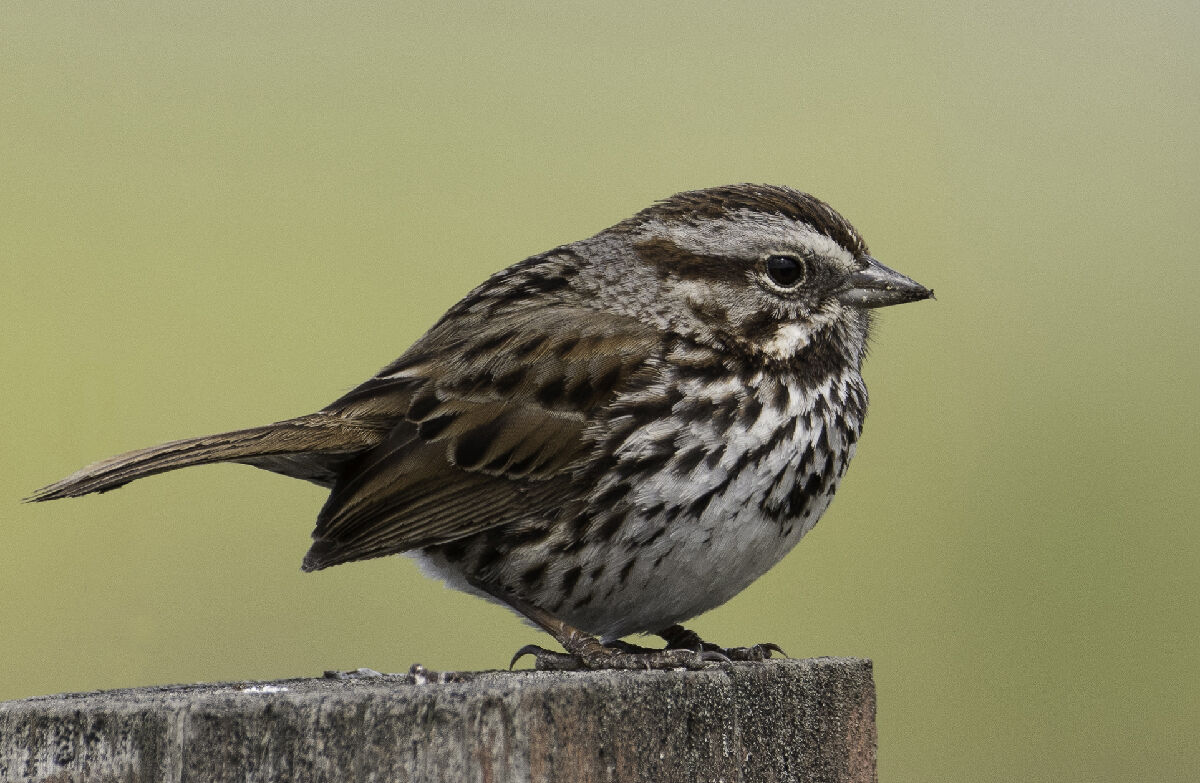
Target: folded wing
pixel 492 416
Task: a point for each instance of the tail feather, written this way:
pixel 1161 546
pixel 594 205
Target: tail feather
pixel 304 447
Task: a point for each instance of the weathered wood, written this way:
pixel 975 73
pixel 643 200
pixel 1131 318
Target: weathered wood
pixel 790 720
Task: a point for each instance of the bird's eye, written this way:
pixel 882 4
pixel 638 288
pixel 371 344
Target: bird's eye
pixel 785 271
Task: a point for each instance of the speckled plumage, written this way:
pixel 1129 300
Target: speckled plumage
pixel 610 437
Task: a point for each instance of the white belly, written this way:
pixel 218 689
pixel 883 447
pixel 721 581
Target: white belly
pixel 701 562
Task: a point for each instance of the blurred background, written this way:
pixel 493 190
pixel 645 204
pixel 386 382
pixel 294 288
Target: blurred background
pixel 216 217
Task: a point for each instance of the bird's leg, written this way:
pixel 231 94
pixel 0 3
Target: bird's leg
pixel 584 651
pixel 678 637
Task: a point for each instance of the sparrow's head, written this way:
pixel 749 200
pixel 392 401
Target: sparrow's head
pixel 759 270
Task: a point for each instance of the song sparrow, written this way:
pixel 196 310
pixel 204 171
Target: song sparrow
pixel 610 437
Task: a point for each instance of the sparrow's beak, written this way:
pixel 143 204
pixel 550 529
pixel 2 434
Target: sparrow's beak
pixel 878 286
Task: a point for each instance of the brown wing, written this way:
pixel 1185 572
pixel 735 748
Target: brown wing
pixel 492 412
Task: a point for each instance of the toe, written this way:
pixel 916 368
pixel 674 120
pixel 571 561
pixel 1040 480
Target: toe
pixel 771 647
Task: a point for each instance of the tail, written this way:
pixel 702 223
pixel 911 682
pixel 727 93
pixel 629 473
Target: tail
pixel 308 447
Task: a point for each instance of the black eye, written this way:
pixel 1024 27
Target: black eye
pixel 785 271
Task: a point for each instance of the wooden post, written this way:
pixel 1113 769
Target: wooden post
pixel 784 720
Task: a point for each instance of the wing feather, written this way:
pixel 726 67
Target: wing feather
pixel 488 428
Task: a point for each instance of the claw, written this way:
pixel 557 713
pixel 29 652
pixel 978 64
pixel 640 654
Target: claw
pixel 529 649
pixel 548 660
pixel 759 652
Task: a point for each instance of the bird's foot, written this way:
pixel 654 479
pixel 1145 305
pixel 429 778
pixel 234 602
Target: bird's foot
pixel 586 652
pixel 679 638
pixel 591 655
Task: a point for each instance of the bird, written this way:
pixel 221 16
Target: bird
pixel 608 438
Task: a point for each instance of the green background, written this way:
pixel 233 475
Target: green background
pixel 213 216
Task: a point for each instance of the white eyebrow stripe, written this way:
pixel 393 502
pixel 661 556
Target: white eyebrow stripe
pixel 746 230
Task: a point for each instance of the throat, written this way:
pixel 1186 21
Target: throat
pixel 811 352
pixel 789 339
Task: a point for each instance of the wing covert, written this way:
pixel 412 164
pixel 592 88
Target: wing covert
pixel 486 429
